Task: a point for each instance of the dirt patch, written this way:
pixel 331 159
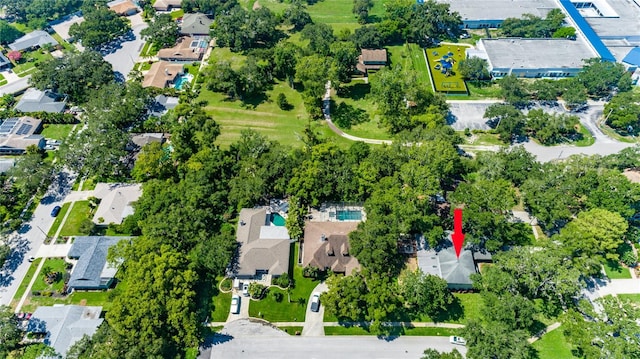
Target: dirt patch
pixel 632 176
pixel 411 263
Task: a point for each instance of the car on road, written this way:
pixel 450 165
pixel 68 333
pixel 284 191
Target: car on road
pixel 235 304
pixel 315 302
pixel 245 289
pixel 55 211
pixel 457 340
pixel 31 259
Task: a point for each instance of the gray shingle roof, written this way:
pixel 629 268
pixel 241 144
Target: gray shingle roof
pixel 195 24
pixel 65 324
pixel 35 100
pixel 162 104
pixel 92 270
pixel 34 38
pixel 444 264
pixel 116 201
pixel 261 246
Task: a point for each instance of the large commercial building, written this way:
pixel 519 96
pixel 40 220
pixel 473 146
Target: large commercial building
pixel 478 14
pixel 534 58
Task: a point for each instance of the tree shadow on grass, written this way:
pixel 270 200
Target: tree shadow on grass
pixel 357 91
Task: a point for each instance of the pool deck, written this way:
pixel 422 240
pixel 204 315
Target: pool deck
pixel 328 214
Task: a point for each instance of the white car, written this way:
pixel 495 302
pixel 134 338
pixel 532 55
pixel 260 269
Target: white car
pixel 457 340
pixel 315 302
pixel 235 304
pixel 245 289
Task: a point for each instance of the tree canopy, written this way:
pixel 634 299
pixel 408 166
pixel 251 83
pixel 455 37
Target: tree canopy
pixel 100 26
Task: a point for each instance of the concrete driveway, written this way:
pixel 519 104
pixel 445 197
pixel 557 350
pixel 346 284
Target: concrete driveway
pixel 30 238
pixel 122 55
pixel 314 321
pixel 245 339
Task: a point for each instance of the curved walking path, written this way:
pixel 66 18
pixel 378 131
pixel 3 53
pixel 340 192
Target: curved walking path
pixel 603 145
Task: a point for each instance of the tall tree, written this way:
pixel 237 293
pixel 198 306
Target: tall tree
pixel 600 77
pixel 345 57
pixel 100 26
pixel 432 21
pixel 474 68
pixel 8 33
pixel 320 37
pixel 425 293
pixel 514 91
pixel 10 333
pixel 74 75
pixel 162 31
pixel 361 10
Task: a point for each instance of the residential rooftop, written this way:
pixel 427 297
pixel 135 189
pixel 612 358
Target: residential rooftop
pixel 536 53
pixel 326 246
pixel 35 100
pixel 92 271
pixel 36 38
pixel 162 74
pixel 16 134
pixel 186 49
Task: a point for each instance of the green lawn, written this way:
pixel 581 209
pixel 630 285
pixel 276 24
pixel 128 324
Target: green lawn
pixel 615 271
pixel 631 297
pixel 3 81
pixel 177 14
pixel 221 305
pixel 267 118
pixel 345 331
pixel 269 309
pixel 553 345
pixel 482 138
pixel 486 91
pixel 56 265
pixel 291 330
pixel 79 212
pixel 67 46
pixel 57 132
pixel 587 139
pixel 58 220
pixel 436 58
pixel 29 61
pixel 27 278
pixel 471 304
pixel 97 298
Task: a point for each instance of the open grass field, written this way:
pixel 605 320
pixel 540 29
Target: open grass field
pixel 439 58
pixel 615 271
pixel 79 212
pixel 269 309
pixel 553 345
pixel 56 132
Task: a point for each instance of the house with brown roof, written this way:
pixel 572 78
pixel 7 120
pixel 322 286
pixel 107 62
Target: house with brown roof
pixel 326 246
pixel 371 60
pixel 162 74
pixel 264 247
pixel 167 5
pixel 16 134
pixel 186 49
pixel 123 7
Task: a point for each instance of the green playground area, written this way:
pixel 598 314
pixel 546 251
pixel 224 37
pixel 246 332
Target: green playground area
pixel 442 62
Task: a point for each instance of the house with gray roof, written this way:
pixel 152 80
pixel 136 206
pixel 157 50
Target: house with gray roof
pixel 4 62
pixel 442 262
pixel 92 271
pixel 35 100
pixel 116 202
pixel 33 39
pixel 195 24
pixel 162 105
pixel 264 247
pixel 64 325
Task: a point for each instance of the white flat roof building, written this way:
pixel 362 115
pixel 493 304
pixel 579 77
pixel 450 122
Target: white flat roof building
pixel 535 57
pixel 491 13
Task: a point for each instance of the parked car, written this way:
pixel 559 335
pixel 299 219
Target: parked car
pixel 235 304
pixel 315 302
pixel 31 259
pixel 457 340
pixel 55 211
pixel 245 289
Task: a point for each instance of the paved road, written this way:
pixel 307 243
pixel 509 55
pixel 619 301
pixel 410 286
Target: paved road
pixel 243 339
pixel 314 322
pixel 15 86
pixel 125 53
pixel 29 239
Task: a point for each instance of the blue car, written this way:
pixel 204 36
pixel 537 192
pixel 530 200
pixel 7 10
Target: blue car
pixel 55 211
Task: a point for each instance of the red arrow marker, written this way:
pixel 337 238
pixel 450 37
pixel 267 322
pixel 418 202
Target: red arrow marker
pixel 457 236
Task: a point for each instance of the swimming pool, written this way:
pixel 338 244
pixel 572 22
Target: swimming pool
pixel 277 220
pixel 348 215
pixel 183 79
